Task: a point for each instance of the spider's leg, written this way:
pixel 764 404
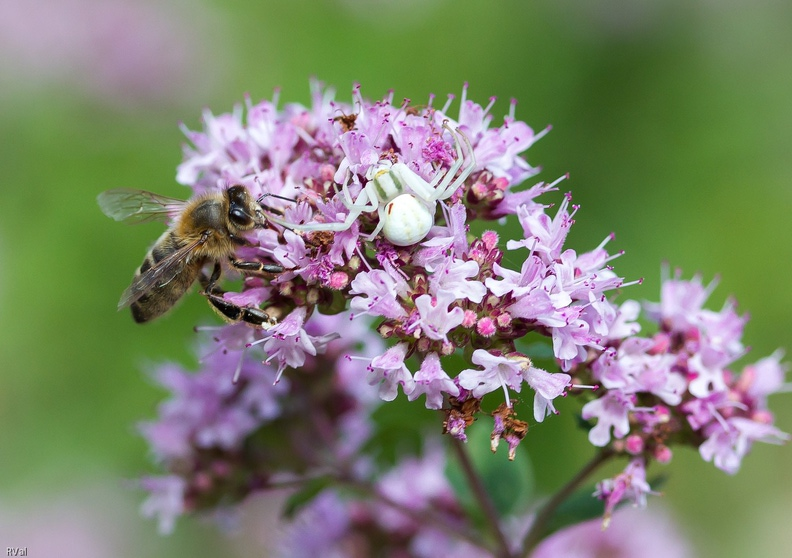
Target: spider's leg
pixel 414 184
pixel 344 186
pixel 443 192
pixel 368 197
pixel 471 157
pixel 381 223
pixel 438 185
pixel 354 212
pixel 347 198
pixel 316 226
pixel 369 200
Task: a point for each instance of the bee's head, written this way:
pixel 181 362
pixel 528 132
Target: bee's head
pixel 243 212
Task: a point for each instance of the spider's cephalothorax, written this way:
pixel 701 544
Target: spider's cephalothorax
pixel 405 202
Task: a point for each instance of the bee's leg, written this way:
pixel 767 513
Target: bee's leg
pixel 250 267
pixel 229 311
pixel 234 313
pixel 209 284
pixel 255 268
pixel 239 240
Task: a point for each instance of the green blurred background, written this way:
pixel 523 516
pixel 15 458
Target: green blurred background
pixel 674 119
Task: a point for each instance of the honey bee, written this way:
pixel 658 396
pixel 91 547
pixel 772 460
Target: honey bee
pixel 206 230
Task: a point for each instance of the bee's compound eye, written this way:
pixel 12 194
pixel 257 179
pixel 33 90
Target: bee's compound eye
pixel 239 217
pixel 237 194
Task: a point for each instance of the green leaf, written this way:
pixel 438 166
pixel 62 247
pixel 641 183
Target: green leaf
pixel 400 430
pixel 509 484
pixel 335 305
pixel 581 506
pixel 539 350
pixel 298 500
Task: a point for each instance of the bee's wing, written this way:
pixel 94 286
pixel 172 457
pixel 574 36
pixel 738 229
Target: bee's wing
pixel 138 206
pixel 160 274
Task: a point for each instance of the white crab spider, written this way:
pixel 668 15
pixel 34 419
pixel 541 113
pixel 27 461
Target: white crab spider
pixel 404 201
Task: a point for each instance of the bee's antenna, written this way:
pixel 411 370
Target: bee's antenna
pixel 269 195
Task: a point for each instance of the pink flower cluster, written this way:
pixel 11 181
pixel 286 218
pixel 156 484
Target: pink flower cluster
pixel 679 387
pixel 221 440
pixel 448 292
pixel 294 401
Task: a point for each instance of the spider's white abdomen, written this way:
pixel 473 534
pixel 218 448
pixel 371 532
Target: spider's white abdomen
pixel 407 220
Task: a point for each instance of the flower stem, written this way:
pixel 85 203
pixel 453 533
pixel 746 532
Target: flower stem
pixel 539 526
pixel 480 493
